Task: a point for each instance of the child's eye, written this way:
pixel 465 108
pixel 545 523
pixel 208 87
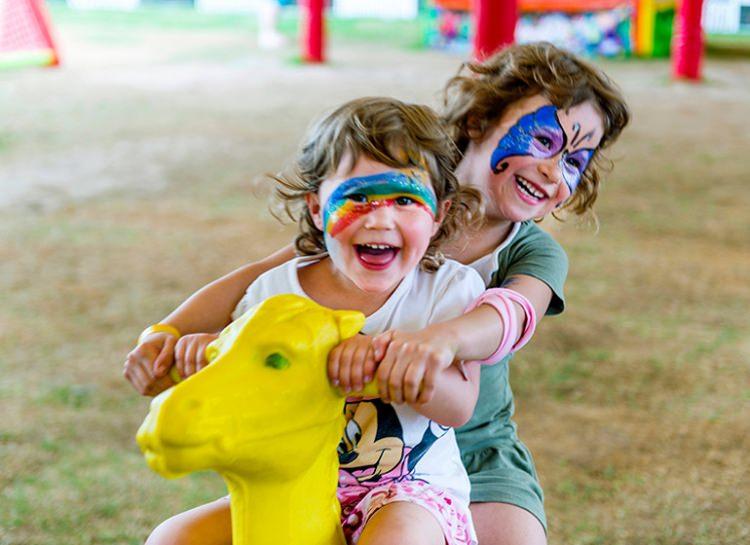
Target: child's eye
pixel 404 201
pixel 357 197
pixel 544 141
pixel 575 163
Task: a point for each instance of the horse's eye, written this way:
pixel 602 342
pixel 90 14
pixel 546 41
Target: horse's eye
pixel 277 361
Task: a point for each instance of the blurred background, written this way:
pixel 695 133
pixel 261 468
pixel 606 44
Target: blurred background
pixel 131 175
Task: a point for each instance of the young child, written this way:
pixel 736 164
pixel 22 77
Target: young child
pixel 374 194
pixel 531 122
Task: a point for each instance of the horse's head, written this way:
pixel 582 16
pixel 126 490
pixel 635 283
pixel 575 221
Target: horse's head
pixel 266 380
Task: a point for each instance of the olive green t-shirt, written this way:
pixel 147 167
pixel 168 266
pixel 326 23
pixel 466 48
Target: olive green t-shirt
pixel 530 251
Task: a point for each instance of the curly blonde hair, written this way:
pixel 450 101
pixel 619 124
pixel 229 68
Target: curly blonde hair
pixel 388 131
pixel 476 98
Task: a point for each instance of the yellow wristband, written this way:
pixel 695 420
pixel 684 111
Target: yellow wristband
pixel 159 328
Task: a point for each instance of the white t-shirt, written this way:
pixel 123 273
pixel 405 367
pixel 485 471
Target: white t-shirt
pixel 386 442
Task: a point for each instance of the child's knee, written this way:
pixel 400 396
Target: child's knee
pixel 172 531
pixel 208 524
pixel 402 522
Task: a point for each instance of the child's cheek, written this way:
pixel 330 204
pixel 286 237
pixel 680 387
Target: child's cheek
pixel 563 194
pixel 512 164
pixel 335 248
pixel 418 231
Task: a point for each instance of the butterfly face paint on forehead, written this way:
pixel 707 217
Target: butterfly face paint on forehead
pixel 540 134
pixel 358 196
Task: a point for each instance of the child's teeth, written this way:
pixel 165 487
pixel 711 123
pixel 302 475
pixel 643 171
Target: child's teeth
pixel 530 190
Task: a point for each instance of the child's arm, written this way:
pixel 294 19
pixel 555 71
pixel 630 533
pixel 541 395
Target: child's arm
pixel 411 361
pixel 351 365
pixel 454 397
pixel 475 335
pixel 209 309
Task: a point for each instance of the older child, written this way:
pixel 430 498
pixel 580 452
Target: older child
pixel 532 123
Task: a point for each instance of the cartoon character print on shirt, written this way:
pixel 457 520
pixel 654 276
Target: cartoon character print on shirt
pixel 540 134
pixel 372 451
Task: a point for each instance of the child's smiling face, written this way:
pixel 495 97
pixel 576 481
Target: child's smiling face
pixel 377 221
pixel 532 160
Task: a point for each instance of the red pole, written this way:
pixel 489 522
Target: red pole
pixel 312 31
pixel 687 44
pixel 494 26
pixel 45 27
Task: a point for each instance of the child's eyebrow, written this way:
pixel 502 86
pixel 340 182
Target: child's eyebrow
pixel 578 139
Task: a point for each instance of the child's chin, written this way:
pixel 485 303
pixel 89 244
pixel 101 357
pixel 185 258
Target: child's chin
pixel 369 286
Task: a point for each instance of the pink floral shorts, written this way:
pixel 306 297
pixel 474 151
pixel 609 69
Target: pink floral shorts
pixel 358 508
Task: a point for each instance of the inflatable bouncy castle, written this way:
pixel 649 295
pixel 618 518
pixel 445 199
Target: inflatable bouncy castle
pixel 610 28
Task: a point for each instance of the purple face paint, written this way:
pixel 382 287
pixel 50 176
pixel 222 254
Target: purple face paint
pixel 573 165
pixel 540 134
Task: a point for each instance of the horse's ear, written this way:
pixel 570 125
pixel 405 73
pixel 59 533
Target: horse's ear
pixel 350 322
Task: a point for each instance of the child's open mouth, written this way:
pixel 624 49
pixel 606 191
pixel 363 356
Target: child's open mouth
pixel 376 256
pixel 528 191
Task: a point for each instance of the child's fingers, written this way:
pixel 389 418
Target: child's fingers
pixel 200 355
pixel 179 356
pixel 133 374
pixel 348 351
pixel 428 381
pixel 413 380
pixel 398 372
pixel 380 344
pixel 357 369
pixel 334 363
pixel 165 359
pixel 383 373
pixel 143 354
pixel 190 357
pixel 368 369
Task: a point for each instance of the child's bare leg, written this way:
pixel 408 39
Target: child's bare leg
pixel 506 524
pixel 402 522
pixel 209 524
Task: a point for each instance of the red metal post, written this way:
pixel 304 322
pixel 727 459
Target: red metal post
pixel 687 42
pixel 313 31
pixel 494 26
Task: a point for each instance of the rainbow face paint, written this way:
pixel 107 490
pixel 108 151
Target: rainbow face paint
pixel 356 197
pixel 540 134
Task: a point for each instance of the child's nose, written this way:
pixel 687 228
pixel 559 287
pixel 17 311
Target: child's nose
pixel 551 170
pixel 381 217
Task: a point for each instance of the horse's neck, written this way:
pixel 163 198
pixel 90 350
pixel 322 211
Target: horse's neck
pixel 312 516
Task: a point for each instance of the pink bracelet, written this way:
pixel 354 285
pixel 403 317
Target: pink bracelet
pixel 502 299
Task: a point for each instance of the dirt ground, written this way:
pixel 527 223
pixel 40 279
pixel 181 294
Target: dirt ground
pixel 129 177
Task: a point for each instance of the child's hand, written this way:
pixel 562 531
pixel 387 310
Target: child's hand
pixel 147 364
pixel 410 363
pixel 352 363
pixel 190 353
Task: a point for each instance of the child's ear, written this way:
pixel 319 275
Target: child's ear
pixel 442 211
pixel 474 128
pixel 313 205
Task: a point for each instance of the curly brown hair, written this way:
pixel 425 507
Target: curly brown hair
pixel 388 131
pixel 476 98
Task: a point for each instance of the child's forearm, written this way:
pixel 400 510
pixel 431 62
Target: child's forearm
pixel 210 308
pixel 455 397
pixel 476 335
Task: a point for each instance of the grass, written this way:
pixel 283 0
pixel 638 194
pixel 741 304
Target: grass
pixel 634 402
pixel 735 46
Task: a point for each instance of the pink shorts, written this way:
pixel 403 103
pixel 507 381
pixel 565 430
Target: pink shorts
pixel 453 517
